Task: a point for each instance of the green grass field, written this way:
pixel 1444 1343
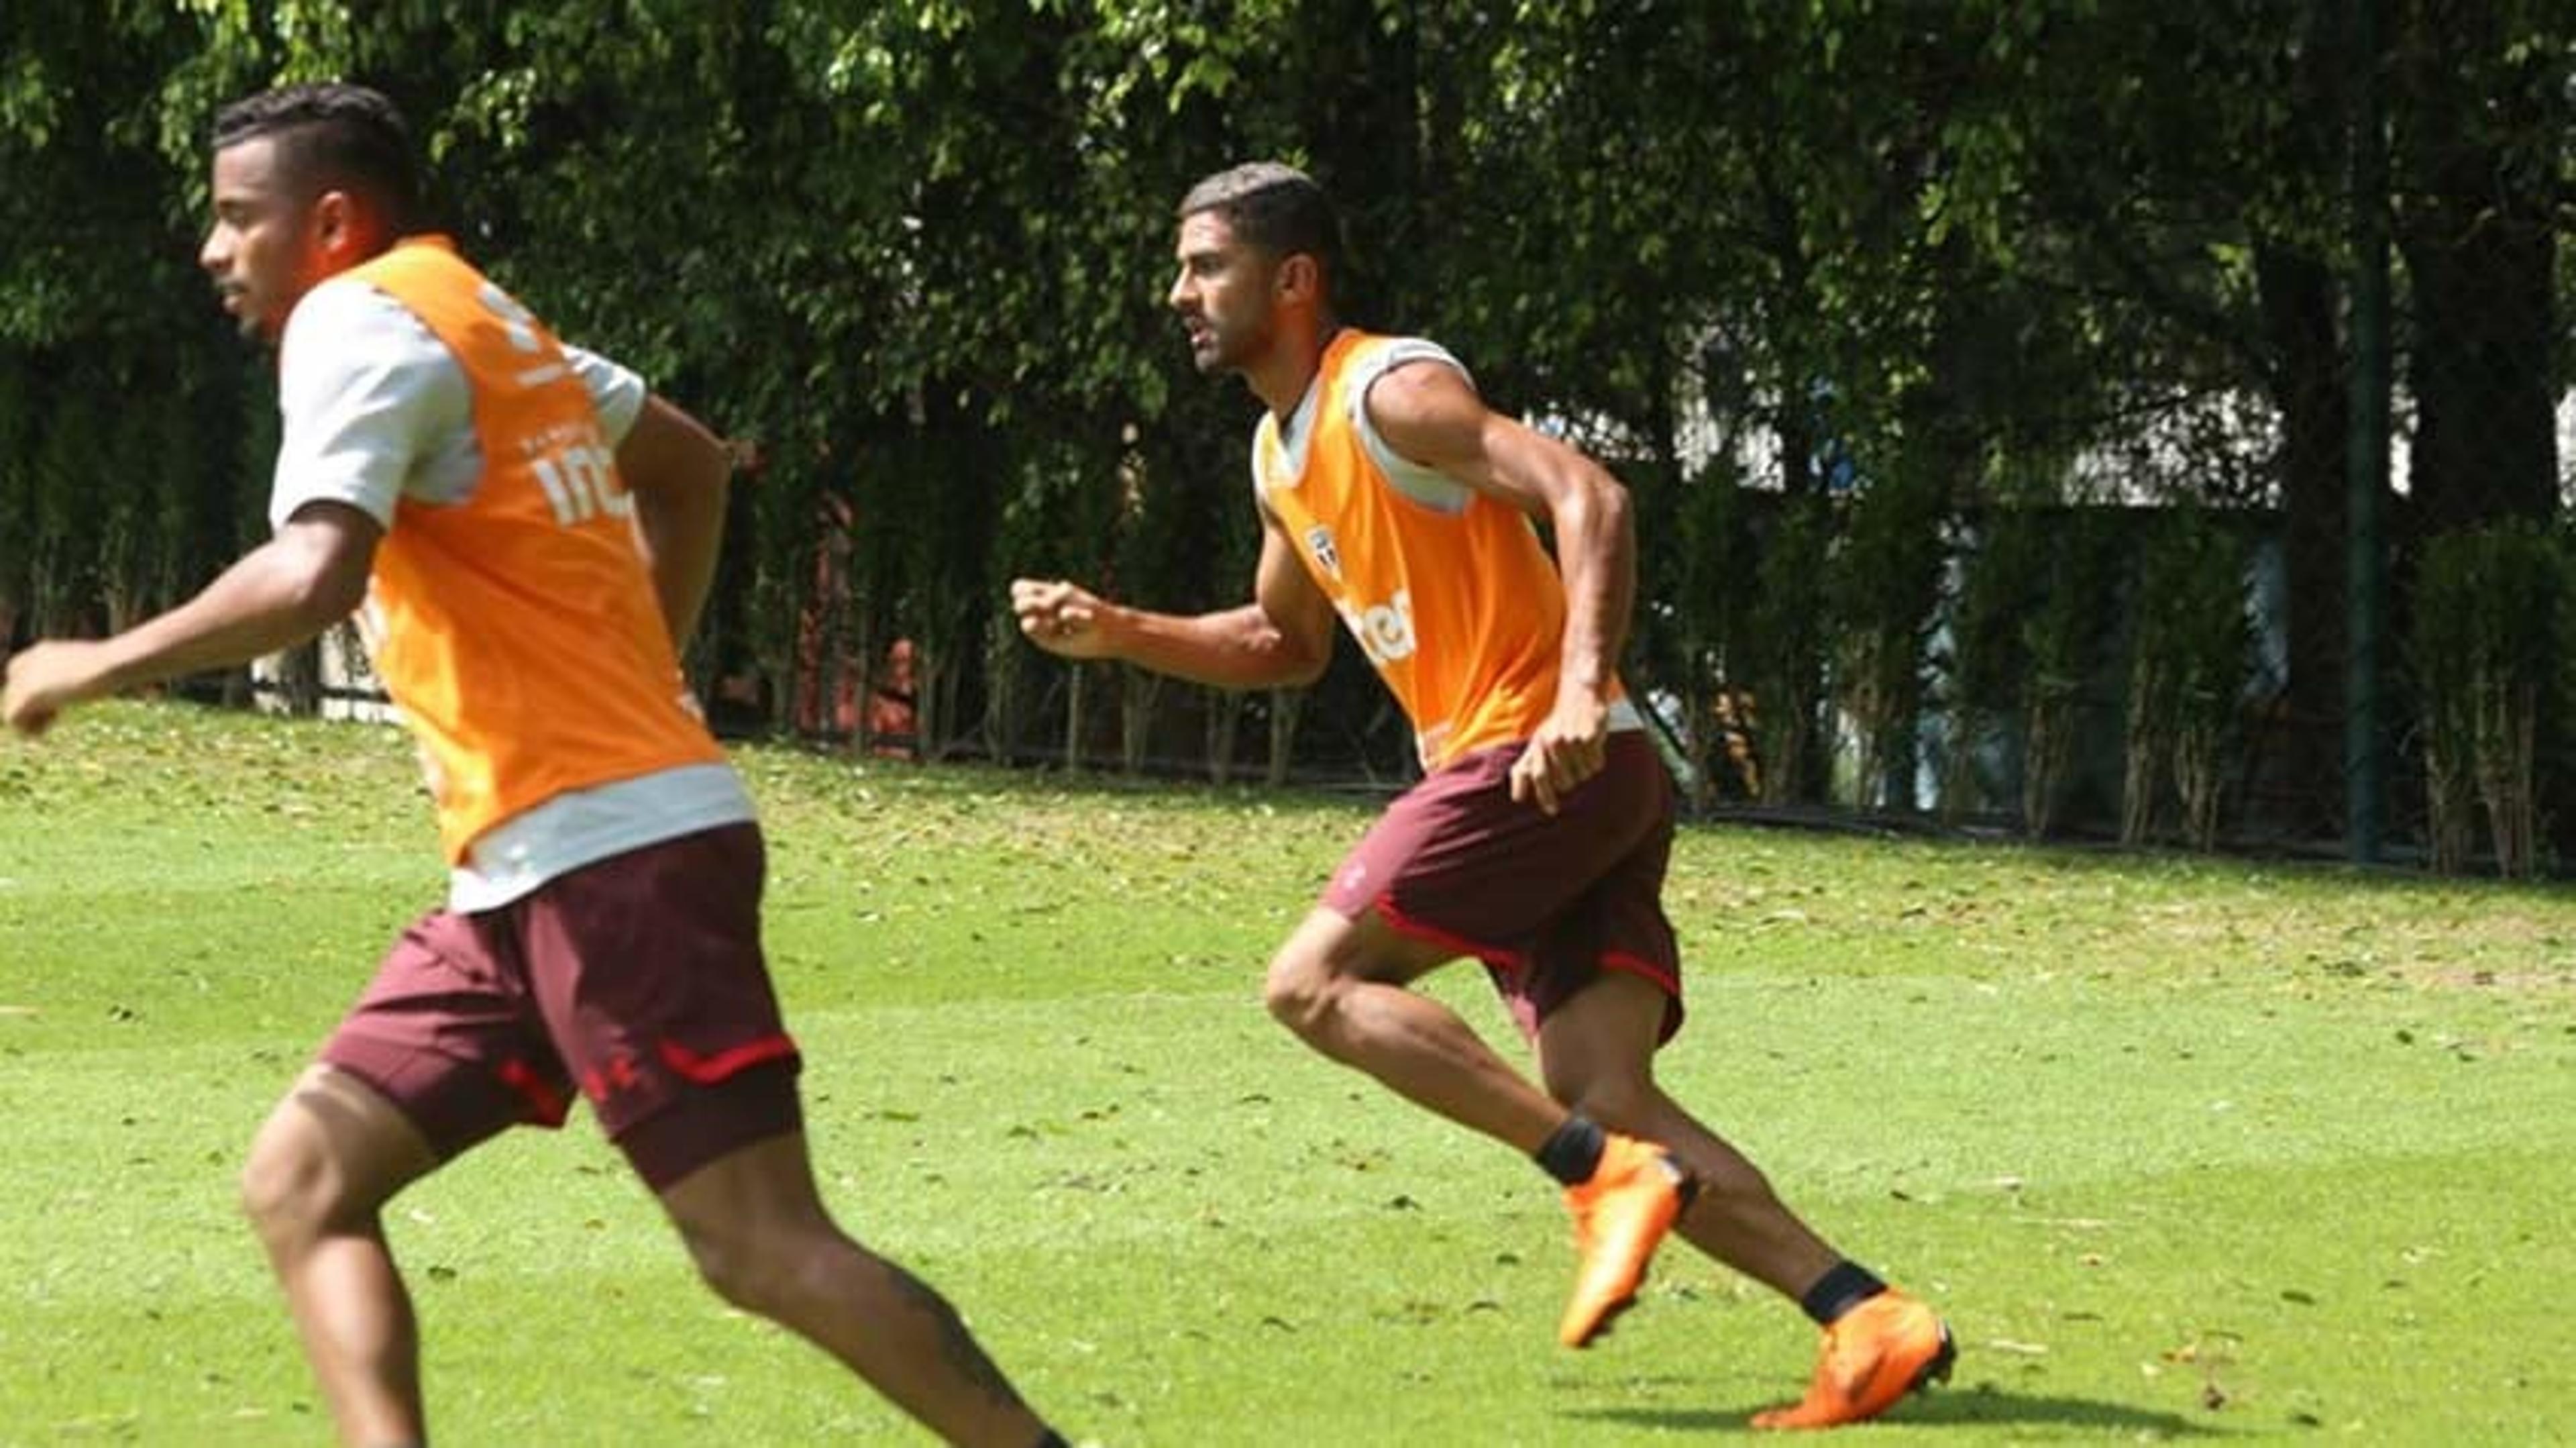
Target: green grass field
pixel 2186 1149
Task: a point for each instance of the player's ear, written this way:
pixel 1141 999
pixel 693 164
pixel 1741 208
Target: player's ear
pixel 332 220
pixel 1298 278
pixel 345 227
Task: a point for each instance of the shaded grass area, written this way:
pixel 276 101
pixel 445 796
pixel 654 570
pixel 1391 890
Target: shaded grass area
pixel 2186 1149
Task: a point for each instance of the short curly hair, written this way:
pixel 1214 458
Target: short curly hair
pixel 1276 208
pixel 333 136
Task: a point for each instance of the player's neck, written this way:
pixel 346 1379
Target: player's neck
pixel 1280 379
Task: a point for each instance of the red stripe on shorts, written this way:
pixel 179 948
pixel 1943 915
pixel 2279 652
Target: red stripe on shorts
pixel 708 1070
pixel 544 1102
pixel 1639 965
pixel 1404 924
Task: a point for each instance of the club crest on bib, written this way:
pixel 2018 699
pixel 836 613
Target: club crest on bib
pixel 1319 541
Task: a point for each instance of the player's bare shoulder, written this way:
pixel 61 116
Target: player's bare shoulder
pixel 1415 385
pixel 1427 410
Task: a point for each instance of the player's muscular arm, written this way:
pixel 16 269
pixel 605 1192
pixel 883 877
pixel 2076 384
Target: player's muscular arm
pixel 678 473
pixel 1283 637
pixel 307 578
pixel 1427 412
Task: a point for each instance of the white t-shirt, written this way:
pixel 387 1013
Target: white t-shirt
pixel 376 410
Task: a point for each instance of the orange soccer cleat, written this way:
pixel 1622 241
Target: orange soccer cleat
pixel 1620 1216
pixel 1873 1355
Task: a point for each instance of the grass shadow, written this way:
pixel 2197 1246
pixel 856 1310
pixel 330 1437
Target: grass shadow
pixel 1980 1405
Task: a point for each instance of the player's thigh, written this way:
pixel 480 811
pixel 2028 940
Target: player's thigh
pixel 650 976
pixel 751 1216
pixel 761 1187
pixel 1329 947
pixel 1458 867
pixel 332 1144
pixel 449 1034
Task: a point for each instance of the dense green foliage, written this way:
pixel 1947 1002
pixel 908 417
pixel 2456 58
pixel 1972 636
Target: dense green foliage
pixel 1978 256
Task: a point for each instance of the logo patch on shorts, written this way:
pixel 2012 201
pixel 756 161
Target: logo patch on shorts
pixel 618 1074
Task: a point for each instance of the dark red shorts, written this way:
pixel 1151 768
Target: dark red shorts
pixel 638 978
pixel 1546 902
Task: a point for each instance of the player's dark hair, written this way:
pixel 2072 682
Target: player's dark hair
pixel 1278 209
pixel 333 136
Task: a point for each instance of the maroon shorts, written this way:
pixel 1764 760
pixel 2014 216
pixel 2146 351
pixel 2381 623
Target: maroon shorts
pixel 639 978
pixel 1547 902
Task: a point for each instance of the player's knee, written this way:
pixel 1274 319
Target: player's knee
pixel 734 1267
pixel 758 1272
pixel 289 1187
pixel 1299 993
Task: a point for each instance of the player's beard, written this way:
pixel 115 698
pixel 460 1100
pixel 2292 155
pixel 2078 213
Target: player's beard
pixel 235 302
pixel 1207 348
pixel 252 321
pixel 1218 350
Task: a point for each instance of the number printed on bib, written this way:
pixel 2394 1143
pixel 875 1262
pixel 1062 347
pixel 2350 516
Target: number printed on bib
pixel 578 473
pixel 581 483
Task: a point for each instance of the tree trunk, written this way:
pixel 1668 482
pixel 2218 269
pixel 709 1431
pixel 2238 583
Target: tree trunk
pixel 1284 707
pixel 2196 777
pixel 2480 249
pixel 934 695
pixel 2045 755
pixel 871 668
pixel 1002 647
pixel 1077 711
pixel 2506 770
pixel 1139 690
pixel 1224 726
pixel 2144 752
pixel 2450 806
pixel 2305 770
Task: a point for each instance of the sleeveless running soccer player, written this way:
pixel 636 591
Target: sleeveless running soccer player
pixel 1392 497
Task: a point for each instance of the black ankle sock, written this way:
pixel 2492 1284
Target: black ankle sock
pixel 1572 1151
pixel 1844 1286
